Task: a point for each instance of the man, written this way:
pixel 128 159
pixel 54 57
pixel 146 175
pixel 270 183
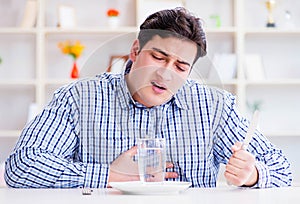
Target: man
pixel 86 136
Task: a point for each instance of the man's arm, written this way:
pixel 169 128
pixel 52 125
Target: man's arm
pixel 271 165
pixel 46 153
pixel 33 168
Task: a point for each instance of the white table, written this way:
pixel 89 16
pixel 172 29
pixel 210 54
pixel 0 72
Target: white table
pixel 222 195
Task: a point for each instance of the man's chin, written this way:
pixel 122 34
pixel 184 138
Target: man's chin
pixel 150 99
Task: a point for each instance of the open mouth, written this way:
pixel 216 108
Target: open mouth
pixel 162 87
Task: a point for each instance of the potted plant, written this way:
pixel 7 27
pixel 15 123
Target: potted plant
pixel 74 49
pixel 113 17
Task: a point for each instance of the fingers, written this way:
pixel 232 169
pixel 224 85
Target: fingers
pixel 241 157
pixel 169 165
pixel 237 171
pixel 236 162
pixel 169 175
pixel 240 177
pixel 233 179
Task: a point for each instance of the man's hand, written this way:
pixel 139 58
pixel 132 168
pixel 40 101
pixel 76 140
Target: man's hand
pixel 240 169
pixel 124 168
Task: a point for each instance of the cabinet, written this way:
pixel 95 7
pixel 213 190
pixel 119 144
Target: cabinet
pixel 33 66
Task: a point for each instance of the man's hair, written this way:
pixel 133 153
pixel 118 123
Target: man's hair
pixel 177 22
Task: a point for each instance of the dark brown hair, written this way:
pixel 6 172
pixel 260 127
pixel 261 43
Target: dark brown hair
pixel 178 22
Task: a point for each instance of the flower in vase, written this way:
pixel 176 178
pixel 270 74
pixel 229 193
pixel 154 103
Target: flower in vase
pixel 113 18
pixel 74 49
pixel 112 12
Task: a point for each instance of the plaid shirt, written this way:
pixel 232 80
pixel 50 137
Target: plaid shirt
pixel 72 142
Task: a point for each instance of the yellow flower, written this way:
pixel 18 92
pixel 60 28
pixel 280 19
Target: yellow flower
pixel 71 48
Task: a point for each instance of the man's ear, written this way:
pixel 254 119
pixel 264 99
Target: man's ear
pixel 134 50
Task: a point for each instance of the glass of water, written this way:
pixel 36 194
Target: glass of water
pixel 151 159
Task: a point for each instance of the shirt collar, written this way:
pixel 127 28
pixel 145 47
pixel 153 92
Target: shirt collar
pixel 182 97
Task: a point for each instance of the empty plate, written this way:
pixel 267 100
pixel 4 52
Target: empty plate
pixel 137 187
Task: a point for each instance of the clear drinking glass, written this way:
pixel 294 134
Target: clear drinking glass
pixel 151 159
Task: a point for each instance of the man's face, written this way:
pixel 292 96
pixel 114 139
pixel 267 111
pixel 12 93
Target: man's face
pixel 160 69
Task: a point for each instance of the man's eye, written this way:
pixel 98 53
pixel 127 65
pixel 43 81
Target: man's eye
pixel 157 57
pixel 181 69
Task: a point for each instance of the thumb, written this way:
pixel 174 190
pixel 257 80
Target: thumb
pixel 132 151
pixel 124 163
pixel 236 147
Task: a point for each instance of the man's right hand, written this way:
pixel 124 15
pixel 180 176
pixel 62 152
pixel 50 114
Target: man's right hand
pixel 124 168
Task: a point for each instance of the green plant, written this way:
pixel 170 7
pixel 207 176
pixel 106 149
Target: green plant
pixel 255 105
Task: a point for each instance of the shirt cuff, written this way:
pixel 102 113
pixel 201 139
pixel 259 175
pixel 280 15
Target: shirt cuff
pixel 263 175
pixel 96 175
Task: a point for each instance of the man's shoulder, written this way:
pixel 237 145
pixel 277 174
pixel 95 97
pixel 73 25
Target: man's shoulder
pixel 109 77
pixel 103 82
pixel 201 89
pixel 200 86
pixel 105 79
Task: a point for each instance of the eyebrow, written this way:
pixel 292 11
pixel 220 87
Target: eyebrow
pixel 167 55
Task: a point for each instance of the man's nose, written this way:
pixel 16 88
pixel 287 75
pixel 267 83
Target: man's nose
pixel 165 73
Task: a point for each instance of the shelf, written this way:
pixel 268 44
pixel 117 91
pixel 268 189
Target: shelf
pixel 10 133
pixel 221 30
pixel 19 31
pixel 59 81
pixel 281 134
pixel 16 82
pixel 77 30
pixel 273 82
pixel 232 82
pixel 90 30
pixel 260 31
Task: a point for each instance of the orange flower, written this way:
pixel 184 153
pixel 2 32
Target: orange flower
pixel 74 49
pixel 112 12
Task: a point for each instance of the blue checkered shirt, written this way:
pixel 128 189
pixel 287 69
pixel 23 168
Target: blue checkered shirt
pixel 90 122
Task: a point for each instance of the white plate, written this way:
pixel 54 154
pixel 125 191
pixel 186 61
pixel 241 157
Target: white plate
pixel 137 187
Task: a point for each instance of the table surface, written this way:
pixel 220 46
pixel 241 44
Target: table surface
pixel 193 195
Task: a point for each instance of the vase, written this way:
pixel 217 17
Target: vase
pixel 74 71
pixel 113 21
